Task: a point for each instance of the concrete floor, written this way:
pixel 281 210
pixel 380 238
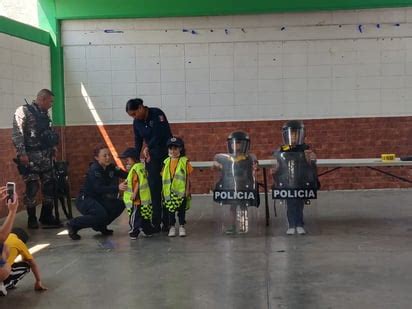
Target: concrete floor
pixel 358 254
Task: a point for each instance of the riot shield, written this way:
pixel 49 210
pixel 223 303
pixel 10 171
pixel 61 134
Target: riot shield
pixel 294 177
pixel 237 187
pixel 237 184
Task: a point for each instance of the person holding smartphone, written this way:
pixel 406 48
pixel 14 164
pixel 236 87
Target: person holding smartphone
pixel 12 204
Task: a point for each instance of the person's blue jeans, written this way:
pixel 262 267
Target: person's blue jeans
pixel 295 212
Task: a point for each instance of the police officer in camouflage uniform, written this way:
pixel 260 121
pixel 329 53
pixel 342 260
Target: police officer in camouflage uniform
pixel 35 142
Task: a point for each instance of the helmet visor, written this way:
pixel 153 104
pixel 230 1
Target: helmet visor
pixel 293 136
pixel 238 146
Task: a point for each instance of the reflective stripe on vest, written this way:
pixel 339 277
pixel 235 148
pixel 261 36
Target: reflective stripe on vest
pixel 177 184
pixel 144 191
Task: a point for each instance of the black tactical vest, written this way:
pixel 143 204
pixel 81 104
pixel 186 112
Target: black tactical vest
pixel 46 136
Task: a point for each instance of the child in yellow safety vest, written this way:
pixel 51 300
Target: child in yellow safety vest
pixel 176 184
pixel 137 196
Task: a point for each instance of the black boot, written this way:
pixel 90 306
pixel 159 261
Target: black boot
pixel 46 217
pixel 104 230
pixel 32 219
pixel 32 223
pixel 72 232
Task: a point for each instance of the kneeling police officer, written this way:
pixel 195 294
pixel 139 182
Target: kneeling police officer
pixel 99 199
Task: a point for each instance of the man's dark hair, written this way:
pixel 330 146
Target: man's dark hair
pixel 133 104
pixel 21 234
pixel 97 149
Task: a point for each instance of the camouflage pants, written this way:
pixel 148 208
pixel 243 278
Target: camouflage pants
pixel 40 173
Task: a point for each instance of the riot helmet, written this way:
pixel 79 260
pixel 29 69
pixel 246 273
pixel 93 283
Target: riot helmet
pixel 238 143
pixel 293 132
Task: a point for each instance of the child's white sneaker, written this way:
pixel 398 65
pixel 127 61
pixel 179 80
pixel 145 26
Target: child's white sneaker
pixel 300 230
pixel 172 232
pixel 291 231
pixel 182 231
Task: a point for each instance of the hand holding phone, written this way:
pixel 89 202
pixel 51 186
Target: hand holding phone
pixel 11 190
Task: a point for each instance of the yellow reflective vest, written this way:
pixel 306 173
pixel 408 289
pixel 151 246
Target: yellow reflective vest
pixel 144 190
pixel 177 184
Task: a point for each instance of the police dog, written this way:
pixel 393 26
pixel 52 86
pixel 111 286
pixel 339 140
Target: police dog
pixel 62 189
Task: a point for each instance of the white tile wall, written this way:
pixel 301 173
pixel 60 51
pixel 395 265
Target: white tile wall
pixel 24 70
pixel 311 69
pixel 173 88
pixel 24 11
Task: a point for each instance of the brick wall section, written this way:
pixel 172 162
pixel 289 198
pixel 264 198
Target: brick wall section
pixel 330 138
pixel 8 170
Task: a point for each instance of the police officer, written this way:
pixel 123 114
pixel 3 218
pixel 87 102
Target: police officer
pixel 35 142
pixel 99 201
pixel 150 125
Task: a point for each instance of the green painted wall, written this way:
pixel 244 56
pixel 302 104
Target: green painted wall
pixel 23 31
pixel 80 9
pixel 48 21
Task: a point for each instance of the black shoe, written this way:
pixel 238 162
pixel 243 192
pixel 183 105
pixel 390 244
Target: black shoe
pixel 133 235
pixel 148 232
pixel 156 229
pixel 105 231
pixel 72 232
pixel 50 223
pixel 32 223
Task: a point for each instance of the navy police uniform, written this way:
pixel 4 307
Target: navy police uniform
pixel 154 131
pixel 98 200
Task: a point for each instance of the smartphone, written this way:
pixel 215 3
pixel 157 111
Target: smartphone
pixel 11 188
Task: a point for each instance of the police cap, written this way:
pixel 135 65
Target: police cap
pixel 175 141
